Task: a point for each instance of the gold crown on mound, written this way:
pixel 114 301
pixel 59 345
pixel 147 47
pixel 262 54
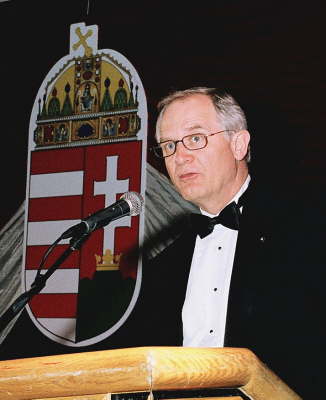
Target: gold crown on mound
pixel 88 101
pixel 108 262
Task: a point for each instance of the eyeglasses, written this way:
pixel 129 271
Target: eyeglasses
pixel 194 141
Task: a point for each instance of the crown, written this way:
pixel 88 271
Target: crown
pixel 108 262
pixel 89 100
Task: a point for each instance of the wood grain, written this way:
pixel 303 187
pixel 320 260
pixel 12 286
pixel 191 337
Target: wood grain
pixel 84 397
pixel 140 369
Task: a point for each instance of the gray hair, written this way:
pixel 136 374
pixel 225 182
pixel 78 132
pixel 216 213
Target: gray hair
pixel 229 112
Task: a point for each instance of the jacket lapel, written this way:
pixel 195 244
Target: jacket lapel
pixel 247 266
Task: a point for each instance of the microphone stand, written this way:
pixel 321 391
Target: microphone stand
pixel 78 238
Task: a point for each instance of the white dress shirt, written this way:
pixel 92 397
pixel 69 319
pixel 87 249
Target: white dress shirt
pixel 205 307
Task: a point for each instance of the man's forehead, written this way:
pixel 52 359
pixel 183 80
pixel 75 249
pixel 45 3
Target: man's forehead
pixel 189 114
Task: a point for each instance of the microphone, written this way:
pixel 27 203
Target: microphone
pixel 130 203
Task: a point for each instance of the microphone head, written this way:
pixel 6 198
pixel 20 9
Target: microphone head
pixel 135 201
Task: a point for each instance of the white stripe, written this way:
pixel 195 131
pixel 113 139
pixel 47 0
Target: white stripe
pixel 61 281
pixel 56 184
pixel 46 232
pixel 64 327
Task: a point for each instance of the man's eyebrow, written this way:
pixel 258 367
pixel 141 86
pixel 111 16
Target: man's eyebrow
pixel 188 130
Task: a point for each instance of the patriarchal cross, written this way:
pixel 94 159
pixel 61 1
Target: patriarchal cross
pixel 110 187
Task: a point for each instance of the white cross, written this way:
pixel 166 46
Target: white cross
pixel 110 187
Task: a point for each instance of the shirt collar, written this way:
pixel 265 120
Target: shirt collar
pixel 235 198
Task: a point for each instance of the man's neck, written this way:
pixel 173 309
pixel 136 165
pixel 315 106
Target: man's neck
pixel 233 193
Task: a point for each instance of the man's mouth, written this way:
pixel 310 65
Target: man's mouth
pixel 187 176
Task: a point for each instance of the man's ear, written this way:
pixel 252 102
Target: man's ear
pixel 239 144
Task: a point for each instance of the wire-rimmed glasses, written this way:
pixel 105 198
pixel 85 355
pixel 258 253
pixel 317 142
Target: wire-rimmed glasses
pixel 195 141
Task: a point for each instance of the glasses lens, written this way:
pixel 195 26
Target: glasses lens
pixel 164 149
pixel 168 148
pixel 195 141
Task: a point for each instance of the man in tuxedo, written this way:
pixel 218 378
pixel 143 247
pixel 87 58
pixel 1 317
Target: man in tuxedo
pixel 239 274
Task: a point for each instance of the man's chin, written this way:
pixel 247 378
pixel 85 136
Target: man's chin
pixel 189 194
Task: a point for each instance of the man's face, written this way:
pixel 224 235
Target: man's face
pixel 206 176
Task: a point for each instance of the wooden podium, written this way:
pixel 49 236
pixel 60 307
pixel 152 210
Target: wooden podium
pixel 143 373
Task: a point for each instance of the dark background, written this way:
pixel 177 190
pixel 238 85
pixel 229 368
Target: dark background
pixel 269 55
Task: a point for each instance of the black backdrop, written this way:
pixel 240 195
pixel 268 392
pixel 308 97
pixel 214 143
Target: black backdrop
pixel 269 55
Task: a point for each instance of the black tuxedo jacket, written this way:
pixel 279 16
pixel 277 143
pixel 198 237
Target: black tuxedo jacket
pixel 274 305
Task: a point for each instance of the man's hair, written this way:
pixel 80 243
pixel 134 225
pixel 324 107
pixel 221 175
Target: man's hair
pixel 229 113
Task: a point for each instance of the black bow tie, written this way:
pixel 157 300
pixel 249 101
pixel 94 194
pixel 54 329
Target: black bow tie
pixel 229 217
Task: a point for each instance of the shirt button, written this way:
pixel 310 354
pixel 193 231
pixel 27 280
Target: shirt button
pixel 215 289
pixel 219 248
pixel 211 331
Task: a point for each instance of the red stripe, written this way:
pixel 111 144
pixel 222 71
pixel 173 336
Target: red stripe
pixel 54 305
pixel 34 255
pixel 55 208
pixel 61 160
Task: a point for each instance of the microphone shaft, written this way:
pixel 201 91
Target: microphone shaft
pixel 103 217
